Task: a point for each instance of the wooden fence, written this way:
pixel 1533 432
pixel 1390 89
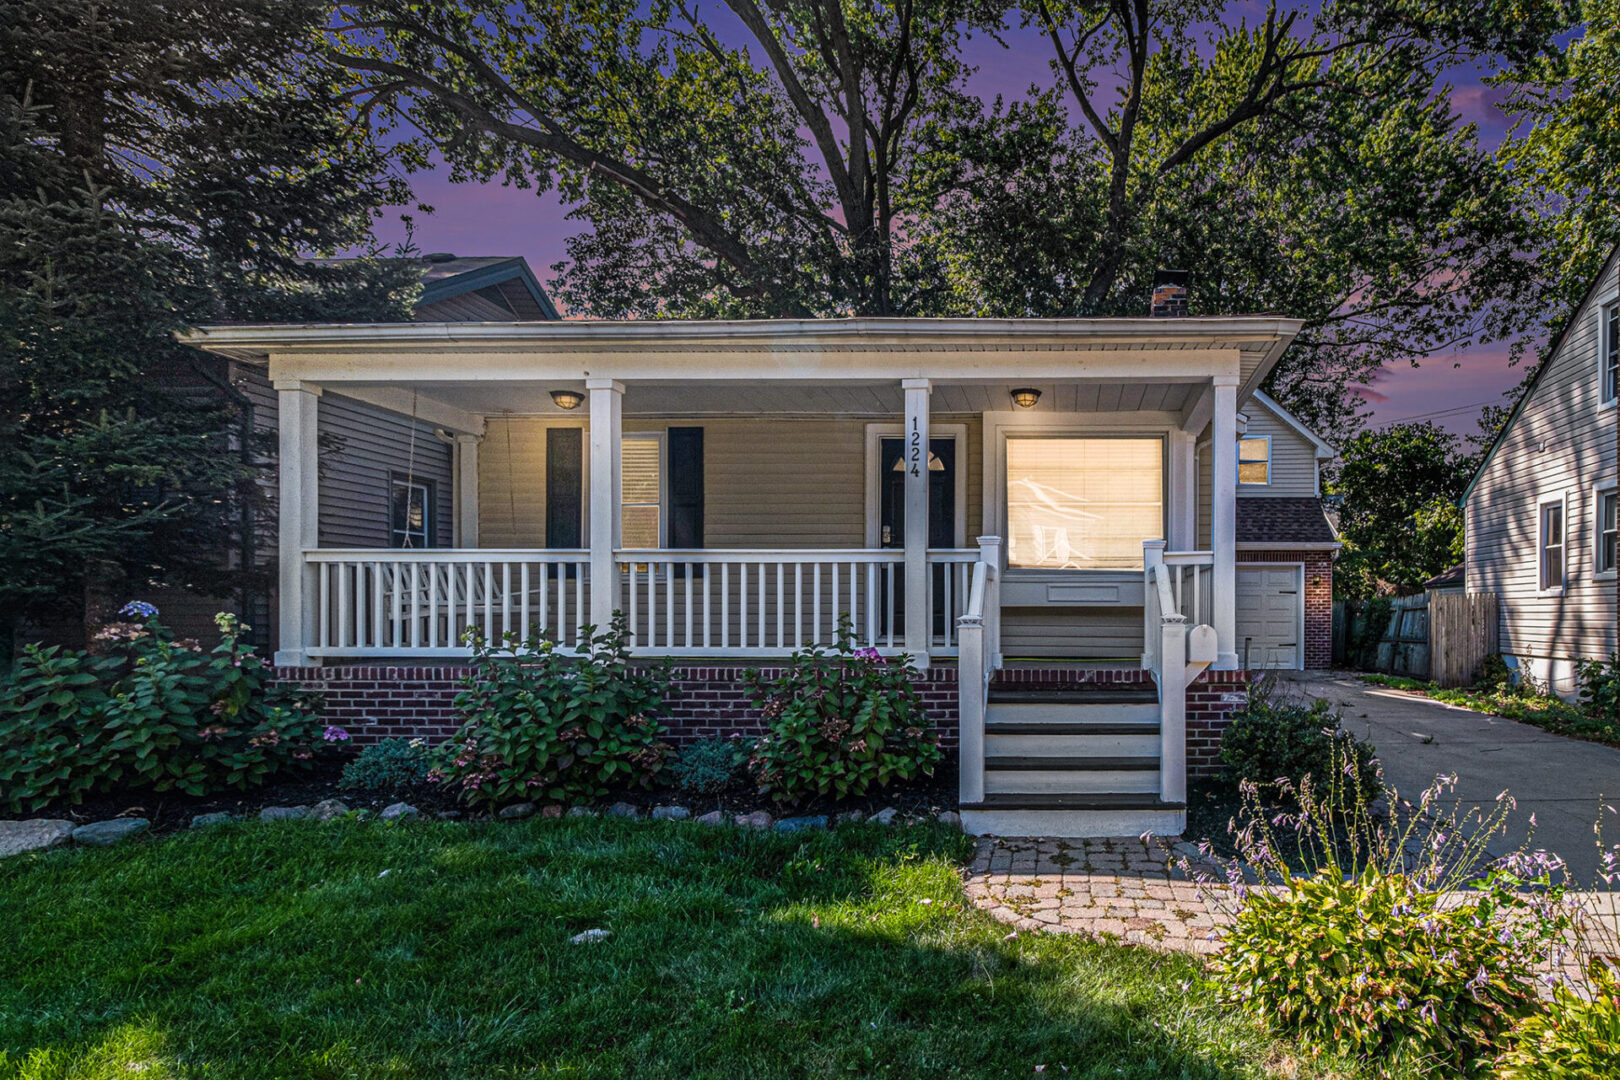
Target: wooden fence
pixel 1462 633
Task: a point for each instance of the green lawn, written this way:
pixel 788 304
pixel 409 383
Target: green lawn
pixel 437 950
pixel 1539 710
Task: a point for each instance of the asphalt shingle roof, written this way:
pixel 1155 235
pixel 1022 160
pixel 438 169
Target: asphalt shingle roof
pixel 1281 522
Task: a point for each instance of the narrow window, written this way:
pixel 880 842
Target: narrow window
pixel 1552 545
pixel 1254 459
pixel 1611 353
pixel 1083 503
pixel 1608 508
pixel 411 514
pixel 642 486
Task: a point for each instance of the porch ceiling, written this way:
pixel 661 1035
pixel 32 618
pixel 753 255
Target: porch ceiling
pixel 871 400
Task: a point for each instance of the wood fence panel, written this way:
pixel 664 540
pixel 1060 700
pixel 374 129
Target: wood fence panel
pixel 1462 633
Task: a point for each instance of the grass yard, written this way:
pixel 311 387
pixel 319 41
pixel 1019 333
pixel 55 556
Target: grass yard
pixel 441 949
pixel 1539 710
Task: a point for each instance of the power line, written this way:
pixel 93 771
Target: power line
pixel 1436 413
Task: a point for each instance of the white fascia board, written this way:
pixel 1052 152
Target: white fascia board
pixel 1324 449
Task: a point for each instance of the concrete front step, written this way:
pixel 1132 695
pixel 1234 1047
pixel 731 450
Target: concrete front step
pixel 1073 815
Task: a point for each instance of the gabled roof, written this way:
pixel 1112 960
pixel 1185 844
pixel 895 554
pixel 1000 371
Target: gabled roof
pixel 1535 380
pixel 1324 449
pixel 504 279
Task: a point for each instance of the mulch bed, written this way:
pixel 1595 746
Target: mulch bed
pixel 171 811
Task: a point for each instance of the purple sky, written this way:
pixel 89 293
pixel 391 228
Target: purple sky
pixel 489 219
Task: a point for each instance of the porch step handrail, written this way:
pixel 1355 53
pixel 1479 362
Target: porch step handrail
pixel 1176 649
pixel 978 656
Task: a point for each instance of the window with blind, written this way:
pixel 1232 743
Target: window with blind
pixel 1083 503
pixel 641 482
pixel 1254 459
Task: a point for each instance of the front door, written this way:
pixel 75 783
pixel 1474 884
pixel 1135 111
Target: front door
pixel 941 514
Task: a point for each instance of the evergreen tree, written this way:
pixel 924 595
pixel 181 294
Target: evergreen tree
pixel 162 163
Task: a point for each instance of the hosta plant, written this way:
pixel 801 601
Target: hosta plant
pixel 840 723
pixel 537 723
pixel 1574 1037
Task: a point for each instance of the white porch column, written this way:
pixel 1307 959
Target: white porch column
pixel 466 460
pixel 607 424
pixel 1223 515
pixel 919 590
pixel 298 518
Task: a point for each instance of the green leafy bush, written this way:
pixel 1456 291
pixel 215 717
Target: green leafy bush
pixel 840 723
pixel 1275 737
pixel 387 765
pixel 708 766
pixel 1405 942
pixel 536 724
pixel 1572 1038
pixel 154 712
pixel 1599 681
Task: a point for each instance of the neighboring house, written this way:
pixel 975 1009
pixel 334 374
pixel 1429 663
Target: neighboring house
pixel 1022 506
pixel 1540 511
pixel 383 474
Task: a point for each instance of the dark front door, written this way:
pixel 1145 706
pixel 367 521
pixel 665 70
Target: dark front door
pixel 941 514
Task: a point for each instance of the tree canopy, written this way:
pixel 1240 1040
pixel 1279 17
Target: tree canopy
pixel 160 164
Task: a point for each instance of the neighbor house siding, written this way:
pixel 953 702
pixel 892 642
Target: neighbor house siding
pixel 362 448
pixel 1561 445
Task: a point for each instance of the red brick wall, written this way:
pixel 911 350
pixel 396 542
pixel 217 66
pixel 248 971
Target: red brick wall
pixel 375 702
pixel 1318 599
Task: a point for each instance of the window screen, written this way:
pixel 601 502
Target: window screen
pixel 642 486
pixel 1254 460
pixel 1083 503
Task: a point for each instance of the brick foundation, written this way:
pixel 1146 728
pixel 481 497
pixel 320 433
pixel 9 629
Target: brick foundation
pixel 1318 599
pixel 375 702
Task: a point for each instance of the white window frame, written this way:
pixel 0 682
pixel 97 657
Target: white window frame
pixel 661 438
pixel 1542 588
pixel 429 523
pixel 1608 342
pixel 1167 490
pixel 1604 490
pixel 1240 462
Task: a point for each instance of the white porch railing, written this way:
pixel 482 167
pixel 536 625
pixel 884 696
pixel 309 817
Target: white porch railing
pixel 1176 648
pixel 978 634
pixel 396 603
pixel 390 603
pixel 772 602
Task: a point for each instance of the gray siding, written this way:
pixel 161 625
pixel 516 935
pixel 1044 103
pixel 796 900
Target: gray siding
pixel 362 447
pixel 1561 445
pixel 1293 457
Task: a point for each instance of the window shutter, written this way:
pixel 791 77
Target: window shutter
pixel 565 467
pixel 685 487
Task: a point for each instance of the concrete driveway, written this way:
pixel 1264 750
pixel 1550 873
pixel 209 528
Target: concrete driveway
pixel 1561 781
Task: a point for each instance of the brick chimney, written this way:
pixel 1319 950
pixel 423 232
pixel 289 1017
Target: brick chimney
pixel 1169 294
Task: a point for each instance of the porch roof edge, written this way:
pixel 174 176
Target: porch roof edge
pixel 258 340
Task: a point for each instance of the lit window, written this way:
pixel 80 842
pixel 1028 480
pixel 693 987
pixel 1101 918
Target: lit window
pixel 1254 459
pixel 1611 353
pixel 641 484
pixel 1552 545
pixel 410 512
pixel 1083 503
pixel 1608 509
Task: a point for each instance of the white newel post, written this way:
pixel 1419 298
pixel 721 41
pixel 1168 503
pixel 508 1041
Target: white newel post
pixel 1152 555
pixel 970 658
pixel 466 455
pixel 919 591
pixel 607 422
pixel 1223 513
pixel 1173 708
pixel 298 517
pixel 990 554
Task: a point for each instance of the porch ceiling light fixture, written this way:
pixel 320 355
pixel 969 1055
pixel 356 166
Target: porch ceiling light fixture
pixel 1025 397
pixel 568 399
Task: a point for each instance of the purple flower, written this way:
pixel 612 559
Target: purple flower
pixel 868 654
pixel 335 734
pixel 138 609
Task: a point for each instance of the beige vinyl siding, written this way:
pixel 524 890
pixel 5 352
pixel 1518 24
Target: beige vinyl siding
pixel 362 447
pixel 767 483
pixel 1206 519
pixel 1293 457
pixel 1561 445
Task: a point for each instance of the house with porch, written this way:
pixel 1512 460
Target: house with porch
pixel 1084 532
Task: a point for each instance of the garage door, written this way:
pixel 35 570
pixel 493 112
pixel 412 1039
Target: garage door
pixel 1268 617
